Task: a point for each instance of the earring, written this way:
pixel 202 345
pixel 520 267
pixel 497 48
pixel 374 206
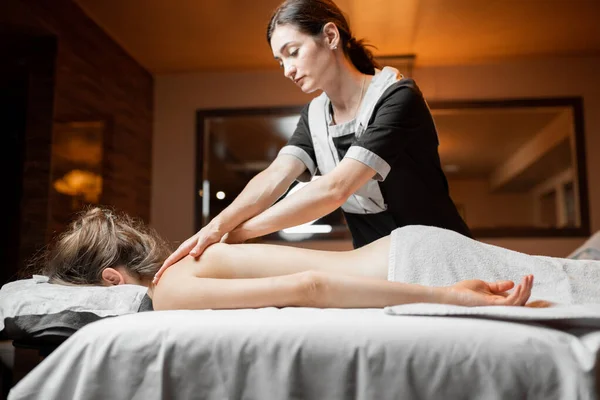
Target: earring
pixel 334 47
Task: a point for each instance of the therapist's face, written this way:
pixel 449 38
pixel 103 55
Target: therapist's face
pixel 304 59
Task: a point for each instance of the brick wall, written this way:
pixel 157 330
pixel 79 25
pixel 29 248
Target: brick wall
pixel 92 78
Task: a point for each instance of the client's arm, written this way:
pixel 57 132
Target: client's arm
pixel 181 288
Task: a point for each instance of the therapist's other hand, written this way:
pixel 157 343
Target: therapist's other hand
pixel 193 246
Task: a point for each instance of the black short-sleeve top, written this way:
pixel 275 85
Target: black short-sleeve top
pixel 394 134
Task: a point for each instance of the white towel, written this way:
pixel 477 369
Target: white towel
pixel 559 316
pixel 440 257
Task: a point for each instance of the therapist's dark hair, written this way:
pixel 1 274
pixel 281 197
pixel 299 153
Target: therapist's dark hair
pixel 310 16
pixel 97 239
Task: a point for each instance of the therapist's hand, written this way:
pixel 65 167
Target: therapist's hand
pixel 233 237
pixel 193 246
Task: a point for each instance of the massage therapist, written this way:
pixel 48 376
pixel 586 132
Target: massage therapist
pixel 369 134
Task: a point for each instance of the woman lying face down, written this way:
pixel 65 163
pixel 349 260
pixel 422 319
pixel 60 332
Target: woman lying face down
pixel 102 247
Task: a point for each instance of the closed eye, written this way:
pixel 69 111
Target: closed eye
pixel 293 53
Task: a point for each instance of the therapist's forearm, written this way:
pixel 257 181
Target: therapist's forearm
pixel 260 193
pixel 314 201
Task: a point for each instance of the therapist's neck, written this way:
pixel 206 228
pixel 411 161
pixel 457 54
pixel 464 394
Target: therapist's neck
pixel 345 85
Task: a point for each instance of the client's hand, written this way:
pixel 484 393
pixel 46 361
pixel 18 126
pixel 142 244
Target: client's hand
pixel 193 246
pixel 475 292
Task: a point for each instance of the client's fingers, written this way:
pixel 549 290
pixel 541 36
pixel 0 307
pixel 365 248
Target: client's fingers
pixel 501 286
pixel 528 289
pixel 522 292
pixel 516 295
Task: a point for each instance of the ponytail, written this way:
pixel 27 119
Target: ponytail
pixel 360 56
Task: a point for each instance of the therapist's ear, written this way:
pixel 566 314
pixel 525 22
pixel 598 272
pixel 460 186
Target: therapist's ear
pixel 331 35
pixel 111 277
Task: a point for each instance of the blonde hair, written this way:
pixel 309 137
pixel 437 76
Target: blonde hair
pixel 97 239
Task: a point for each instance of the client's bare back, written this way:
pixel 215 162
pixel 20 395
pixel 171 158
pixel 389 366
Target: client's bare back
pixel 239 261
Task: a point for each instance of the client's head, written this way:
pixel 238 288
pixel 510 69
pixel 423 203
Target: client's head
pixel 102 247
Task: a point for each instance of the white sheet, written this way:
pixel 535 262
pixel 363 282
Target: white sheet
pixel 298 353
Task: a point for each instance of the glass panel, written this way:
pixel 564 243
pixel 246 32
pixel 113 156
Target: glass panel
pixel 515 168
pixel 511 167
pixel 236 148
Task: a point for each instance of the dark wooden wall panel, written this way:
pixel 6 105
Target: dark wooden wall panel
pixel 92 78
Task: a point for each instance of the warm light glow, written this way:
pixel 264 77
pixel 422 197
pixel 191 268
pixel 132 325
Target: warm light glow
pixel 220 195
pixel 85 184
pixel 451 168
